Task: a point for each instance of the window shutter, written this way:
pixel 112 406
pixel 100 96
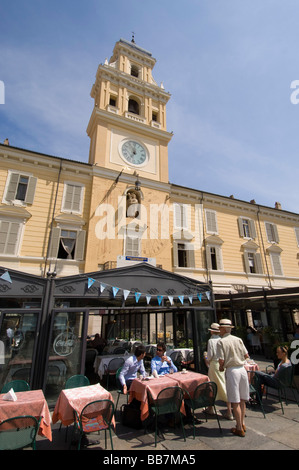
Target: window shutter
pixel 276 264
pixel 297 234
pixel 246 263
pixel 31 190
pixel 190 255
pixel 211 221
pixel 12 187
pixel 180 216
pixel 175 254
pixel 219 258
pixel 252 229
pixel 54 240
pixel 77 191
pixel 240 225
pixel 80 245
pixel 272 232
pixel 9 237
pixel 258 263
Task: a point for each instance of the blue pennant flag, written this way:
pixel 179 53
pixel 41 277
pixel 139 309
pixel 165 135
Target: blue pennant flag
pixel 137 296
pixel 181 297
pixel 90 282
pixel 115 290
pixel 6 277
pixel 199 296
pixel 160 298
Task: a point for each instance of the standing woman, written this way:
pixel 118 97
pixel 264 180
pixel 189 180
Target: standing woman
pixel 214 373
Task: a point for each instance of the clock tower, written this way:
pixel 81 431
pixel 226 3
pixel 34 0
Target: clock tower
pixel 127 127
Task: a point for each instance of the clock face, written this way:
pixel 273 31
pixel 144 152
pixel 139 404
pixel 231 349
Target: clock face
pixel 133 152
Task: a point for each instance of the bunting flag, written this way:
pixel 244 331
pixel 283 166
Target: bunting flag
pixel 126 293
pixel 6 277
pixel 102 287
pixel 115 290
pixel 90 282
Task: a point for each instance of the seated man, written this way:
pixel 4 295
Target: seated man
pixel 131 367
pixel 161 363
pixel 272 380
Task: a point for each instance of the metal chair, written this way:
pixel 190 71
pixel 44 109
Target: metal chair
pixel 119 388
pixel 168 401
pixel 119 351
pixel 78 380
pixel 285 381
pixel 95 417
pixel 16 385
pixel 90 356
pixel 177 359
pixel 253 390
pixel 112 367
pixel 203 396
pixel 19 432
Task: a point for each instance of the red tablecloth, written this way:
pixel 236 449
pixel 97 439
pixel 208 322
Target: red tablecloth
pixel 31 403
pixel 75 399
pixel 139 388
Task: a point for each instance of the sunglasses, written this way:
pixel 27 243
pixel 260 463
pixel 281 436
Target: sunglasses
pixel 158 349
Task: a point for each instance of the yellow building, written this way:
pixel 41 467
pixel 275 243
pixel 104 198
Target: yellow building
pixel 67 217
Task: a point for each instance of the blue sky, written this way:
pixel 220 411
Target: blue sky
pixel 228 65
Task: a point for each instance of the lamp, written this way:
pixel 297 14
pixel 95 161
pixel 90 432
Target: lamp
pixel 137 184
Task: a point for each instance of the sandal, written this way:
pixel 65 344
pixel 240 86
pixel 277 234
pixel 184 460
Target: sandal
pixel 238 432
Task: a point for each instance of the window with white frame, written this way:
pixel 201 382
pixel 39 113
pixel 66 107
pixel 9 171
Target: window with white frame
pixel 272 232
pixel 132 245
pixel 20 188
pixel 253 262
pixel 211 221
pixel 246 227
pixel 180 214
pixel 183 254
pixel 72 200
pixel 214 258
pixel 67 243
pixel 10 236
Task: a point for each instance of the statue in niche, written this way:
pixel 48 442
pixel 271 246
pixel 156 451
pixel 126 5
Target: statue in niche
pixel 133 201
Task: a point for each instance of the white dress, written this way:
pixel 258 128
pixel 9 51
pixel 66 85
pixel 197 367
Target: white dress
pixel 214 373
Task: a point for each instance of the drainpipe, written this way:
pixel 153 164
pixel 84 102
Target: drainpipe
pixel 52 221
pixel 264 252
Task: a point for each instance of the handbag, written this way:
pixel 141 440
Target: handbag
pixel 131 415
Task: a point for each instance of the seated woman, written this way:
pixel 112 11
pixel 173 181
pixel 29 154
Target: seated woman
pixel 161 364
pixel 272 380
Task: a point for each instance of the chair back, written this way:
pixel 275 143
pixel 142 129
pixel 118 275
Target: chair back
pixel 96 415
pixel 204 395
pixel 169 400
pixel 16 385
pixel 77 381
pixel 190 356
pixel 90 355
pixel 286 375
pixel 18 432
pixel 115 364
pixel 119 351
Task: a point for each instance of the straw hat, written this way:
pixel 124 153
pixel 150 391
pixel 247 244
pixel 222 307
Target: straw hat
pixel 214 328
pixel 226 323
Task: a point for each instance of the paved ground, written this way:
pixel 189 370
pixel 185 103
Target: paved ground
pixel 275 432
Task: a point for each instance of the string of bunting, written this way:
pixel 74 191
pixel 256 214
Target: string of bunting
pixel 148 297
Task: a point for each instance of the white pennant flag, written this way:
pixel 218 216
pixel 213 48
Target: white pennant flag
pixel 170 298
pixel 126 293
pixel 102 287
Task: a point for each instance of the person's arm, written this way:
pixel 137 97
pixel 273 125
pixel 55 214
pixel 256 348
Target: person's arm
pixel 142 369
pixel 122 374
pixel 171 364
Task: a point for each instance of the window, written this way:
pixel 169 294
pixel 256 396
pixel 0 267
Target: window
pixel 67 244
pixel 276 264
pixel 246 227
pixel 211 221
pixel 132 244
pixel 253 263
pixel 180 216
pixel 19 188
pixel 134 71
pixel 72 200
pixel 183 255
pixel 133 106
pixel 272 233
pixel 10 233
pixel 214 258
pixel 112 101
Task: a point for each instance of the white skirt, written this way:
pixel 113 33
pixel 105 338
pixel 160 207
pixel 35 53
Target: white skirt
pixel 219 378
